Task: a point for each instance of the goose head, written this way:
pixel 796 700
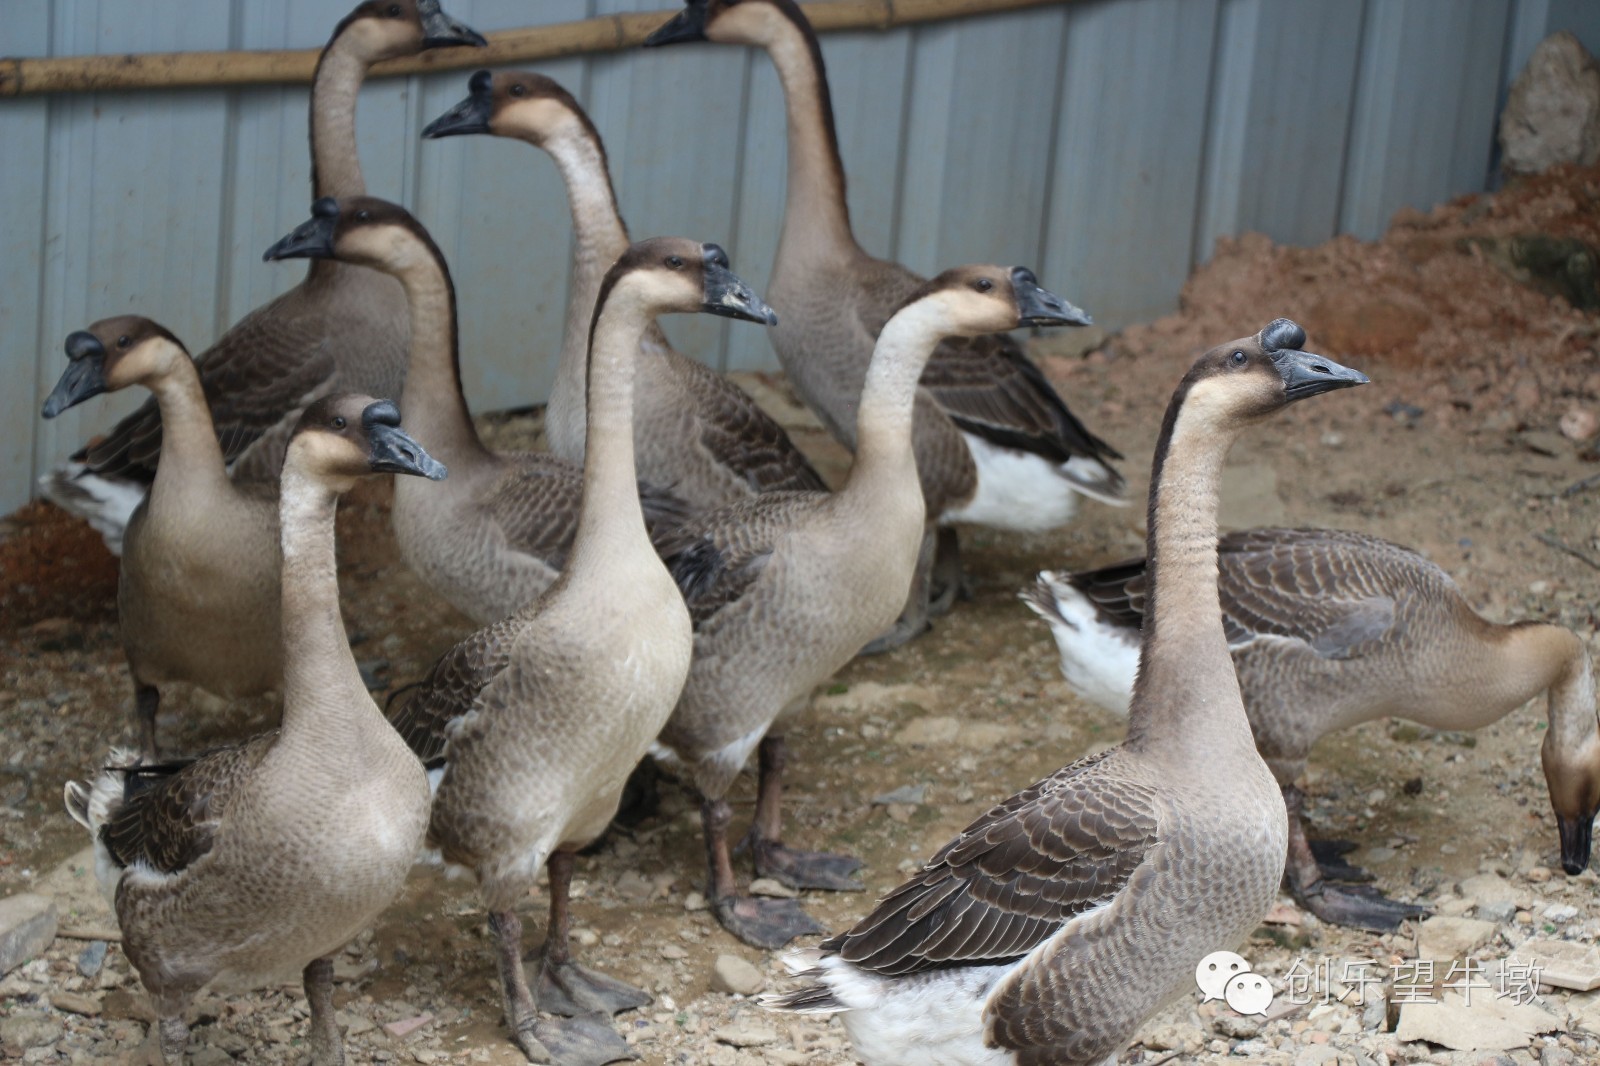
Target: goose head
pixel 113 354
pixel 666 274
pixel 514 103
pixel 346 436
pixel 358 229
pixel 969 301
pixel 389 29
pixel 755 22
pixel 1572 774
pixel 1247 380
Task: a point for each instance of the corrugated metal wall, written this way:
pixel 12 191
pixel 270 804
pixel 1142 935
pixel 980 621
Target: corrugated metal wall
pixel 1108 142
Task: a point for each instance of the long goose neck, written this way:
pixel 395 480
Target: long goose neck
pixel 611 521
pixel 1186 699
pixel 432 403
pixel 888 398
pixel 599 238
pixel 192 456
pixel 1538 657
pixel 816 219
pixel 323 696
pixel 335 165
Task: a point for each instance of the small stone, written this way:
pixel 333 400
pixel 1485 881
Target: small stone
pixel 746 1037
pixel 1443 938
pixel 1171 1037
pixel 348 970
pixel 1561 913
pixel 407 1026
pixel 1552 113
pixel 673 952
pixel 91 958
pixel 735 976
pixel 1489 888
pixel 1579 424
pixel 694 901
pixel 924 732
pixel 1497 912
pixel 73 1003
pixel 785 1056
pixel 1538 874
pixel 900 812
pixel 353 1024
pixel 586 937
pixel 27 926
pixel 766 886
pixel 29 1030
pixel 1563 963
pixel 1237 1026
pixel 1489 1024
pixel 913 795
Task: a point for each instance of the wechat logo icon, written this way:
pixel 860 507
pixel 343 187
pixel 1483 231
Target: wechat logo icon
pixel 1226 975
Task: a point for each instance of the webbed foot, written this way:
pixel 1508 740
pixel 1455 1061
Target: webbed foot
pixel 587 1040
pixel 572 991
pixel 765 923
pixel 1358 907
pixel 806 869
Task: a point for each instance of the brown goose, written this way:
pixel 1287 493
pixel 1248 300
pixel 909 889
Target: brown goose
pixel 198 589
pixel 495 535
pixel 338 330
pixel 255 861
pixel 693 429
pixel 531 726
pixel 996 445
pixel 786 588
pixel 1329 629
pixel 1054 925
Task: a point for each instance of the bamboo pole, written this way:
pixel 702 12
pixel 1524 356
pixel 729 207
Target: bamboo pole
pixel 608 33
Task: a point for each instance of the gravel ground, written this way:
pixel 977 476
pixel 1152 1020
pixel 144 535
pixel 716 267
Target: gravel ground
pixel 1456 448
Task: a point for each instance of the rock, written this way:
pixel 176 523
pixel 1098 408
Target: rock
pixel 1561 913
pixel 1563 963
pixel 1489 888
pixel 1579 424
pixel 1444 939
pixel 752 1036
pixel 1552 114
pixel 1173 1037
pixel 694 901
pixel 1316 1056
pixel 73 1003
pixel 1489 1024
pixel 905 794
pixel 923 732
pixel 122 1005
pixel 673 952
pixel 1239 1027
pixel 29 1030
pixel 1497 912
pixel 766 886
pixel 91 958
pixel 735 976
pixel 27 925
pixel 407 1026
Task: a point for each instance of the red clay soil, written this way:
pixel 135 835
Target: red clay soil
pixel 53 566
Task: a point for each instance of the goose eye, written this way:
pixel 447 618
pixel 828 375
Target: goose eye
pixel 983 284
pixel 124 340
pixel 519 90
pixel 1239 358
pixel 393 11
pixel 675 262
pixel 363 216
pixel 338 422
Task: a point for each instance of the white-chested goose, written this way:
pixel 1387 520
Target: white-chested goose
pixel 339 330
pixel 1055 924
pixel 785 588
pixel 1329 629
pixel 532 725
pixel 496 534
pixel 996 445
pixel 198 589
pixel 693 429
pixel 255 861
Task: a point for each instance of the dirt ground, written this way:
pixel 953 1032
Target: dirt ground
pixel 1478 362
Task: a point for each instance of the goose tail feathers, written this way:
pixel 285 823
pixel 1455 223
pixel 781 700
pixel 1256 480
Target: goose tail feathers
pixel 106 503
pixel 805 964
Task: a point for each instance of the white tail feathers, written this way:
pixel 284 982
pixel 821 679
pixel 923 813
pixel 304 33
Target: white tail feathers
pixel 106 503
pixel 91 803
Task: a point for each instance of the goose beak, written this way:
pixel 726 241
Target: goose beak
pixel 394 452
pixel 312 239
pixel 730 297
pixel 1306 375
pixel 471 115
pixel 1577 835
pixel 687 25
pixel 84 376
pixel 440 30
pixel 1041 307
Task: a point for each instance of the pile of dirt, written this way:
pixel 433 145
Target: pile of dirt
pixel 53 566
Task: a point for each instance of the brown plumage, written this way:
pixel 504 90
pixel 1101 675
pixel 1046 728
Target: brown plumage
pixel 1055 924
pixel 1328 629
pixel 693 429
pixel 339 330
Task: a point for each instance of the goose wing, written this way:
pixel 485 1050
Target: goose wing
pixel 990 388
pixel 716 557
pixel 170 812
pixel 1014 877
pixel 424 713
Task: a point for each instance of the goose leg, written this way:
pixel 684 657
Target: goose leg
pixel 1356 907
pixel 565 987
pixel 146 702
pixel 174 1037
pixel 949 580
pixel 762 923
pixel 522 1015
pixel 913 620
pixel 797 869
pixel 327 1045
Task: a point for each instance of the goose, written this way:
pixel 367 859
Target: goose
pixel 339 330
pixel 785 588
pixel 1329 629
pixel 254 861
pixel 1056 923
pixel 693 429
pixel 531 726
pixel 198 588
pixel 495 535
pixel 996 445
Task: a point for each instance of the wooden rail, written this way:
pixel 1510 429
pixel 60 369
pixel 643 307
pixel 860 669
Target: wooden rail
pixel 608 33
